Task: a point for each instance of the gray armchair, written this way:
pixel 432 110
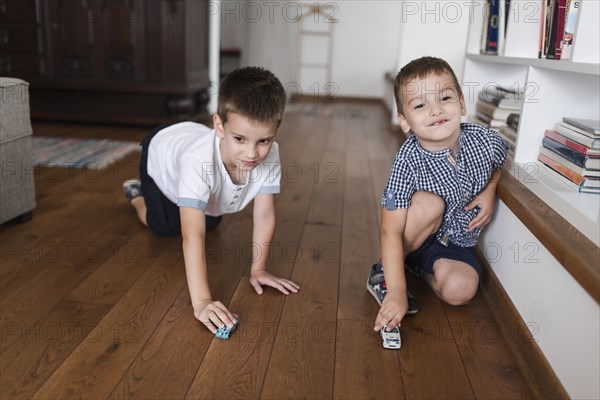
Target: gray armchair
pixel 17 189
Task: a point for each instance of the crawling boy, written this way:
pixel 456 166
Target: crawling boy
pixel 190 175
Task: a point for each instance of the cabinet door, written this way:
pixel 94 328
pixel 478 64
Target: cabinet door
pixel 97 40
pixel 71 38
pixel 21 47
pixel 120 43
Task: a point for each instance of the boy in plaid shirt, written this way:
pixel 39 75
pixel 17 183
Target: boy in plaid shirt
pixel 439 195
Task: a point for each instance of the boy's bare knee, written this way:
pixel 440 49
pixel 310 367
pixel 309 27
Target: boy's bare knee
pixel 458 291
pixel 455 282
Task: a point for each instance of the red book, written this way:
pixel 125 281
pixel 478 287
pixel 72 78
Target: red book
pixel 560 28
pixel 578 147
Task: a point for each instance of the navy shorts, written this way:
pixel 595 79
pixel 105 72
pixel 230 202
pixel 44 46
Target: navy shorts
pixel 432 250
pixel 162 214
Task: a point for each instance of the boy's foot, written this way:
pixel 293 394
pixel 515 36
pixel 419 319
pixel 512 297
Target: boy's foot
pixel 132 189
pixel 377 287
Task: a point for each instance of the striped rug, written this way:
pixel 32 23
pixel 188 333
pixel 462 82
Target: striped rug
pixel 79 153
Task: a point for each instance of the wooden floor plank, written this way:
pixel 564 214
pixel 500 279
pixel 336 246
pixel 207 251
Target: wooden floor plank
pixel 429 352
pixel 62 265
pixel 94 368
pixel 166 365
pixel 485 353
pixel 235 369
pixel 363 369
pixel 327 176
pixel 43 347
pixel 118 273
pixel 301 364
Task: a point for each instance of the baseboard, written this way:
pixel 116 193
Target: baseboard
pixel 532 361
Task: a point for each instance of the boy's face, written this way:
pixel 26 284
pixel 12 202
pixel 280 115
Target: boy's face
pixel 432 109
pixel 244 144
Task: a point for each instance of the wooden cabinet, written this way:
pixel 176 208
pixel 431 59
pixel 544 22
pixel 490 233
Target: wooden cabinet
pixel 122 61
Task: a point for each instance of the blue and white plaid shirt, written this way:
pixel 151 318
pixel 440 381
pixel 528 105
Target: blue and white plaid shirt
pixel 457 180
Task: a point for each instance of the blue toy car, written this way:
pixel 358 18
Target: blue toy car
pixel 224 332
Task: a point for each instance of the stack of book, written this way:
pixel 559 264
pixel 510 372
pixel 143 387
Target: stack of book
pixel 558 22
pixel 497 104
pixel 571 153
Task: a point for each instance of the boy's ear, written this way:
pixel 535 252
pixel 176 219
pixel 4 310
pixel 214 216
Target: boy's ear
pixel 463 108
pixel 218 124
pixel 403 123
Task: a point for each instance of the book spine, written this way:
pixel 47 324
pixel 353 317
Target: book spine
pixel 562 150
pixel 542 29
pixel 560 28
pixel 557 137
pixel 493 27
pixel 572 185
pixel 550 44
pixel 561 169
pixel 581 126
pixel 577 135
pixel 547 27
pixel 484 27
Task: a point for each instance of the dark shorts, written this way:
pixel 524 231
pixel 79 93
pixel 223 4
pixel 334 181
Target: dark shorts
pixel 162 214
pixel 432 250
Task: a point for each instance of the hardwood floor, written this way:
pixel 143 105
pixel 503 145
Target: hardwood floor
pixel 95 306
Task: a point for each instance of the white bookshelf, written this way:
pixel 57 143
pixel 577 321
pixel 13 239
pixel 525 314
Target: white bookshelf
pixel 539 286
pixel 554 89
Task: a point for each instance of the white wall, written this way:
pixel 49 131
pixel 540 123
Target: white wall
pixel 434 28
pixel 365 46
pixel 369 39
pixel 269 37
pixel 431 28
pixel 365 42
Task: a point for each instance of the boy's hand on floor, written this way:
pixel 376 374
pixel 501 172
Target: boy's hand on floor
pixel 391 312
pixel 258 279
pixel 213 314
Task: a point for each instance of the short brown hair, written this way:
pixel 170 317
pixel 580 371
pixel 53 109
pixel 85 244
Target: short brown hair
pixel 419 69
pixel 254 93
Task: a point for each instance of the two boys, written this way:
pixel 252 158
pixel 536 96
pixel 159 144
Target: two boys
pixel 439 195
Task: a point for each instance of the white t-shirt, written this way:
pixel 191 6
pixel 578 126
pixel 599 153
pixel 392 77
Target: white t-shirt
pixel 185 163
